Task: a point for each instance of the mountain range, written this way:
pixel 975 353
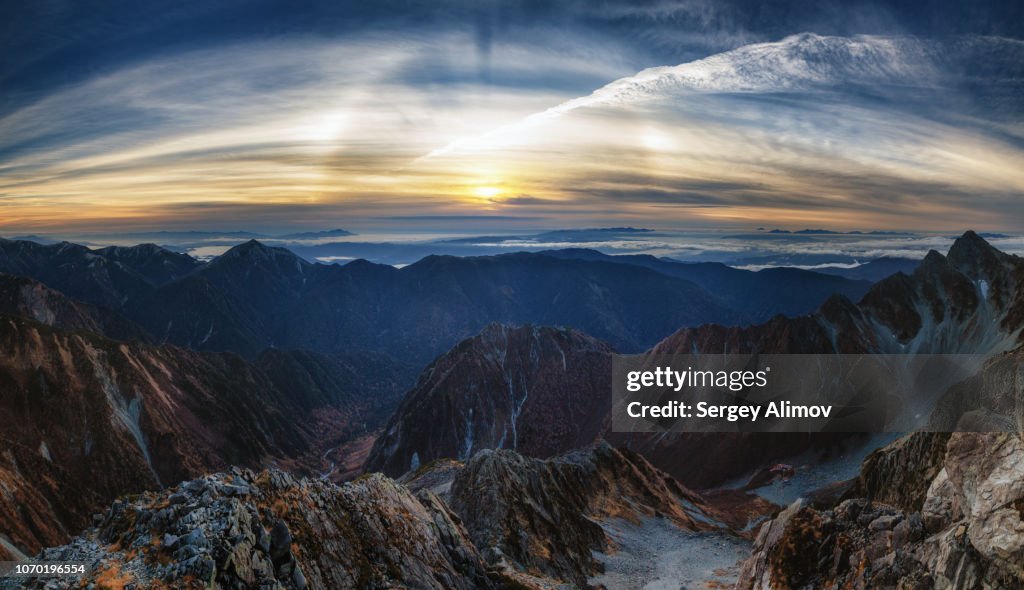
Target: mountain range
pixel 967 301
pixel 254 297
pixel 107 398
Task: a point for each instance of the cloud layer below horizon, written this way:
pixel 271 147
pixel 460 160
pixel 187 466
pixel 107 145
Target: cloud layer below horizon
pixel 373 132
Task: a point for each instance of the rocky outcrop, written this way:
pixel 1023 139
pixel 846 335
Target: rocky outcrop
pixel 545 516
pixel 533 389
pixel 930 510
pixel 270 530
pixel 965 532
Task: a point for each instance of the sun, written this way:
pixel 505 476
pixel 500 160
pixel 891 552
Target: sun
pixel 486 192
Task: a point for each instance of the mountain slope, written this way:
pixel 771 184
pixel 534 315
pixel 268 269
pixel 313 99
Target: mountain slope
pixel 528 389
pixel 90 418
pixel 785 291
pixel 968 301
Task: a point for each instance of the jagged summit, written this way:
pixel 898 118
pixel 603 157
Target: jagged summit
pixel 974 256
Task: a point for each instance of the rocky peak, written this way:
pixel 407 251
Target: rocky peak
pixel 974 256
pixel 933 263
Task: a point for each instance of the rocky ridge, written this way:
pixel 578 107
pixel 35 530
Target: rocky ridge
pixel 969 301
pixel 505 521
pixel 545 516
pixel 246 529
pixel 510 380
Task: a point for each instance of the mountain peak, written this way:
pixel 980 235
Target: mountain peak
pixel 276 266
pixel 254 249
pixel 970 253
pixel 522 380
pixel 972 240
pixel 252 244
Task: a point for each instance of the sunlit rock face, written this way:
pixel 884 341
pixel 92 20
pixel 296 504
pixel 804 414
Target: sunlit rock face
pixel 961 528
pixel 929 510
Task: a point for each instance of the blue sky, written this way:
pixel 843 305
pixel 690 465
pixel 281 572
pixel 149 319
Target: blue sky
pixel 394 115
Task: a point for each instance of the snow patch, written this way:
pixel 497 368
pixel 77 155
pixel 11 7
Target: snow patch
pixel 467 442
pixel 126 414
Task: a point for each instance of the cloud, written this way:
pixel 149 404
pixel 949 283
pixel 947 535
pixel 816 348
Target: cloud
pixel 887 132
pixel 867 131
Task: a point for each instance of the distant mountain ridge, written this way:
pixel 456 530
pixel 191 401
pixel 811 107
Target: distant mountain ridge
pixel 759 296
pixel 254 296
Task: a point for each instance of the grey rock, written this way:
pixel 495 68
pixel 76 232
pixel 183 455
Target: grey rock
pixel 280 543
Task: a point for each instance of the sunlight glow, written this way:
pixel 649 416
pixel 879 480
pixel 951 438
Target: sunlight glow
pixel 487 192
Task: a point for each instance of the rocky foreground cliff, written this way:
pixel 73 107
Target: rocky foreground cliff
pixel 931 510
pixel 504 521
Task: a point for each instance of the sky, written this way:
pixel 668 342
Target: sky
pixel 460 115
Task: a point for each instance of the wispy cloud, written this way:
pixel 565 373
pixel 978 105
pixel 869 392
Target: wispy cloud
pixel 810 130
